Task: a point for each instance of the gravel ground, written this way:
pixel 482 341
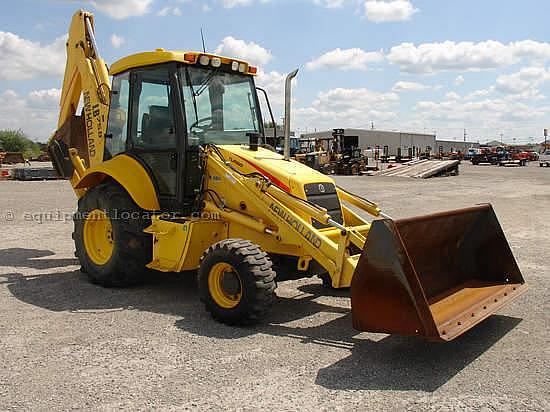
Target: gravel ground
pixel 67 344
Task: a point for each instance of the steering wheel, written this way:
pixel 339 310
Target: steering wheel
pixel 196 124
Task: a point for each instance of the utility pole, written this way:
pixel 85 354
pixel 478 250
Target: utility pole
pixel 465 135
pixel 501 139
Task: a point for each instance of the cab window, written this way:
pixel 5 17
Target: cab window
pixel 153 126
pixel 117 131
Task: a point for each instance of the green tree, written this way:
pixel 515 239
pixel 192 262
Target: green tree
pixel 17 141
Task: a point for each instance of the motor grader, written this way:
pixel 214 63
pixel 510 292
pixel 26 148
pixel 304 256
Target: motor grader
pixel 171 172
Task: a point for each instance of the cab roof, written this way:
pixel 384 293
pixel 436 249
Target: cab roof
pixel 163 56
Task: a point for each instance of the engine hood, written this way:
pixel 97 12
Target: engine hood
pixel 289 175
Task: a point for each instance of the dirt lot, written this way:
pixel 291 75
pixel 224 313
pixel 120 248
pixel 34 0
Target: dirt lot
pixel 67 344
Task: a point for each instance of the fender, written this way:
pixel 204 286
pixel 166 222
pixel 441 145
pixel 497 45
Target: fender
pixel 130 174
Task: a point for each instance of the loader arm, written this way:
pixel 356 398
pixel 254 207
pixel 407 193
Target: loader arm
pixel 290 222
pixel 424 276
pixel 86 81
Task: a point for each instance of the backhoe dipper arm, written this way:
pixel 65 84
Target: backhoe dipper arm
pixel 86 75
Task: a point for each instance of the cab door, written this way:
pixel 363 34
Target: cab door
pixel 155 135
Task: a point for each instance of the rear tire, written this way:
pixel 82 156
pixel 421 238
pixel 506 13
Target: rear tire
pixel 236 282
pixel 120 259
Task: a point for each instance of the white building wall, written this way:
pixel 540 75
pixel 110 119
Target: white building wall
pixel 369 138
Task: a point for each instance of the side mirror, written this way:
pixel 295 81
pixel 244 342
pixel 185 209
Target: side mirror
pixel 274 142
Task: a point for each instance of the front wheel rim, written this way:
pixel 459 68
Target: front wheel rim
pixel 224 295
pixel 98 237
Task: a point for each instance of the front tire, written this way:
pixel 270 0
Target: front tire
pixel 108 234
pixel 236 282
pixel 327 281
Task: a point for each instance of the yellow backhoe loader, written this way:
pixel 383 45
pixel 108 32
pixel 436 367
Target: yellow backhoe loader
pixel 172 172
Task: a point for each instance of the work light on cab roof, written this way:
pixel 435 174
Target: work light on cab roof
pixel 192 58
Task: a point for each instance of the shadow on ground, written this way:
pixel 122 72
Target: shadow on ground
pixel 392 363
pixel 400 363
pixel 32 258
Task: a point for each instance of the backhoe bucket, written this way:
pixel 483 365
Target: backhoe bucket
pixel 434 276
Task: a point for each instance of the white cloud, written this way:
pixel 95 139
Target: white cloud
pixel 24 59
pixel 459 80
pixel 531 49
pixel 165 11
pixel 36 114
pixel 251 52
pixel 120 9
pixel 340 98
pixel 524 81
pixel 229 4
pixel 274 83
pixel 329 4
pixel 479 93
pixel 402 86
pixel 488 117
pixel 169 10
pixel 48 98
pixel 521 85
pixel 347 59
pixel 517 110
pixel 347 107
pixel 465 56
pixel 452 96
pixel 117 41
pixel 384 11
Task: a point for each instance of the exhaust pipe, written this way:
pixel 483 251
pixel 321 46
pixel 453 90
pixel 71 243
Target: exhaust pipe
pixel 288 87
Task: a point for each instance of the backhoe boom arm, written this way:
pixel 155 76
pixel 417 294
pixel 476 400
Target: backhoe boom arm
pixel 86 80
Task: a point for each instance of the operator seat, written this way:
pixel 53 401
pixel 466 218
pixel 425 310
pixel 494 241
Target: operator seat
pixel 158 127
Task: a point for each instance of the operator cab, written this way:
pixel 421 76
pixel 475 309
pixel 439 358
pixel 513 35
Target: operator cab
pixel 165 105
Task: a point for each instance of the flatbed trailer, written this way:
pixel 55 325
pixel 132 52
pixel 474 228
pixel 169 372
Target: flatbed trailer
pixel 517 162
pixel 34 173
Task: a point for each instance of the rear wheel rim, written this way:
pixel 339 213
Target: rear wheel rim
pixel 225 285
pixel 98 237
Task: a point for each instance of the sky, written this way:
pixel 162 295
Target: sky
pixel 480 68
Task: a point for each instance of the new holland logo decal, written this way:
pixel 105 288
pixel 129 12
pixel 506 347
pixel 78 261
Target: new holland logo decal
pixel 296 225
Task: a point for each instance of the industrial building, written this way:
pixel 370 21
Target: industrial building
pixel 394 140
pixel 371 138
pixel 450 146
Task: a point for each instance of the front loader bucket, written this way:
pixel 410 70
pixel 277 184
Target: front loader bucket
pixel 434 276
